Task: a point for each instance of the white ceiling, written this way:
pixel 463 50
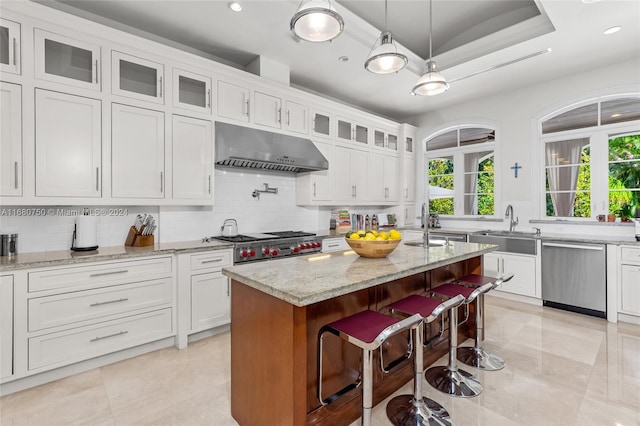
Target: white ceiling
pixel 468 36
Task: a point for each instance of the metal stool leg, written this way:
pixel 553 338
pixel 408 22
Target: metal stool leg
pixel 449 379
pixel 476 356
pixel 414 410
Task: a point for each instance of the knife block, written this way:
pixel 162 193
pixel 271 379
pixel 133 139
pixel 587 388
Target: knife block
pixel 136 239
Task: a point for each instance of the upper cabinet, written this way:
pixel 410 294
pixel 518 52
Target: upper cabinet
pixel 137 78
pixel 66 60
pixel 296 117
pixel 385 139
pixel 10 139
pixel 68 137
pixel 192 159
pixel 191 91
pixel 408 144
pixel 315 187
pixel 10 46
pixel 321 124
pixel 267 110
pixel 349 130
pixel 233 101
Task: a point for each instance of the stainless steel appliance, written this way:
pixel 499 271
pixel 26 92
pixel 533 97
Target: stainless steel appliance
pixel 8 244
pixel 271 245
pixel 574 277
pixel 229 228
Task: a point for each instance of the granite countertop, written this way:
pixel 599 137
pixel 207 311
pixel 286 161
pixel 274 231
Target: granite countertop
pixel 305 280
pixel 68 257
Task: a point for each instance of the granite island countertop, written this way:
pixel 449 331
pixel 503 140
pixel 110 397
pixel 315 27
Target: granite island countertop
pixel 304 280
pixel 68 257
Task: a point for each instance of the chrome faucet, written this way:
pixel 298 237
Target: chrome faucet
pixel 509 214
pixel 424 221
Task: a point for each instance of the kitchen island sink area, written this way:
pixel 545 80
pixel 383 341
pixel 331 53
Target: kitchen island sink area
pixel 277 310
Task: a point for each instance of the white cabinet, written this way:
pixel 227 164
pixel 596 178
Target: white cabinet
pixel 10 41
pixel 137 150
pixel 334 244
pixel 267 110
pixel 296 117
pixel 409 179
pixel 233 101
pixel 385 139
pixel 321 124
pixel 192 158
pixel 6 326
pixel 408 144
pixel 137 78
pixel 383 178
pixel 315 187
pixel 68 137
pixel 10 139
pixel 66 60
pixel 191 91
pixel 350 174
pixel 629 301
pixel 523 268
pixel 348 130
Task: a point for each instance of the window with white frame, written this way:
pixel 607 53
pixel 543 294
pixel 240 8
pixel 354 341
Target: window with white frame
pixel 460 164
pixel 591 158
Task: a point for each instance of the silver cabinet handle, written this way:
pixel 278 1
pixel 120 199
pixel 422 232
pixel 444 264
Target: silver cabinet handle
pixel 110 335
pixel 288 118
pixel 333 245
pixel 124 299
pixel 101 274
pixel 211 261
pixel 246 103
pixel 503 265
pixel 160 86
pixel 97 178
pixel 355 191
pixel 209 184
pixel 161 182
pixel 228 289
pixel 314 189
pixel 572 246
pixel 15 174
pixel 96 71
pixel 353 134
pixel 498 265
pixel 209 97
pixel 15 50
pixel 279 115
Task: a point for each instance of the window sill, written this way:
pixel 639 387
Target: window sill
pixel 580 222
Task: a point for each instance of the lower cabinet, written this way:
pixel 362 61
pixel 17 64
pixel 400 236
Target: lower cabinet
pixel 210 301
pixel 629 302
pixel 6 327
pixel 523 268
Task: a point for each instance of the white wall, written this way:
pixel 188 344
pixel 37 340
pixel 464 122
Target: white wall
pixel 516 112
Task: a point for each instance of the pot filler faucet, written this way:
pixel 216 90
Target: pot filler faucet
pixel 509 214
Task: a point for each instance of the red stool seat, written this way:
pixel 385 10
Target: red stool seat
pixel 415 304
pixel 452 290
pixel 364 326
pixel 476 280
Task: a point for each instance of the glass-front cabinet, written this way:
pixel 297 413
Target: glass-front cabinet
pixel 191 91
pixel 387 140
pixel 350 131
pixel 66 60
pixel 137 78
pixel 408 144
pixel 9 46
pixel 321 125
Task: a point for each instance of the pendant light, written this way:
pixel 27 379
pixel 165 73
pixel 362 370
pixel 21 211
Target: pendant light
pixel 432 82
pixel 385 58
pixel 316 21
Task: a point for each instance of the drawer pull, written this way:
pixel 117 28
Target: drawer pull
pixel 333 245
pixel 110 301
pixel 101 274
pixel 95 339
pixel 212 261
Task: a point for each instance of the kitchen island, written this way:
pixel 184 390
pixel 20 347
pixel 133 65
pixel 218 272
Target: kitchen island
pixel 278 307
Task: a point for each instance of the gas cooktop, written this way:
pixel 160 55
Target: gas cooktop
pixel 270 245
pixel 248 238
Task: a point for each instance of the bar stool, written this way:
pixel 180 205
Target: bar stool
pixel 413 410
pixel 475 355
pixel 367 330
pixel 449 378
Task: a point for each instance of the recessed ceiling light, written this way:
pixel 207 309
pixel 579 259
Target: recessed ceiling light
pixel 343 59
pixel 612 30
pixel 235 6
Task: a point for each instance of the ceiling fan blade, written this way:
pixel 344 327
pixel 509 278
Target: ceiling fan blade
pixel 504 64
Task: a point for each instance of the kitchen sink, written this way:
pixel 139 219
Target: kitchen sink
pixel 420 243
pixel 508 241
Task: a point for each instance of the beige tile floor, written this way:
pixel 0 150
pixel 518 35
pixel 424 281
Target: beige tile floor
pixel 562 369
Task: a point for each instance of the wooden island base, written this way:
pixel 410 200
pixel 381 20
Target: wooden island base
pixel 274 351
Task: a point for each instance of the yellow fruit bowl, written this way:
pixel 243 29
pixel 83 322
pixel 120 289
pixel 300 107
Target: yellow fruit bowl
pixel 373 248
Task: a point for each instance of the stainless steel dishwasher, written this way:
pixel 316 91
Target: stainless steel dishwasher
pixel 574 277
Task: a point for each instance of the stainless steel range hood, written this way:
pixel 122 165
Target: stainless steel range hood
pixel 238 146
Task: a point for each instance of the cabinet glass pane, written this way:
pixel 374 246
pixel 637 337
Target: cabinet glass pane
pixel 362 134
pixel 393 142
pixel 378 138
pixel 4 45
pixel 192 92
pixel 409 145
pixel 321 124
pixel 138 78
pixel 68 61
pixel 344 130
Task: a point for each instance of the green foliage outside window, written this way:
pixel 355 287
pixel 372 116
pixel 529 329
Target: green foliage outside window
pixel 443 168
pixel 486 187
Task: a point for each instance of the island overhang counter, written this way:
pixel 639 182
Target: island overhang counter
pixel 277 308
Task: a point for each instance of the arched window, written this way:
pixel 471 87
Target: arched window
pixel 461 175
pixel 591 157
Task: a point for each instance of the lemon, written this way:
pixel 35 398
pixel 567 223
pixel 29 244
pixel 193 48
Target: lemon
pixel 354 236
pixel 370 237
pixel 361 231
pixel 374 232
pixel 395 235
pixel 383 235
pixel 379 239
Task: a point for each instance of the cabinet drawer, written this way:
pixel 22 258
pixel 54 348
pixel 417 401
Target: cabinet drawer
pixel 94 276
pixel 68 308
pixel 210 260
pixel 631 254
pixel 82 343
